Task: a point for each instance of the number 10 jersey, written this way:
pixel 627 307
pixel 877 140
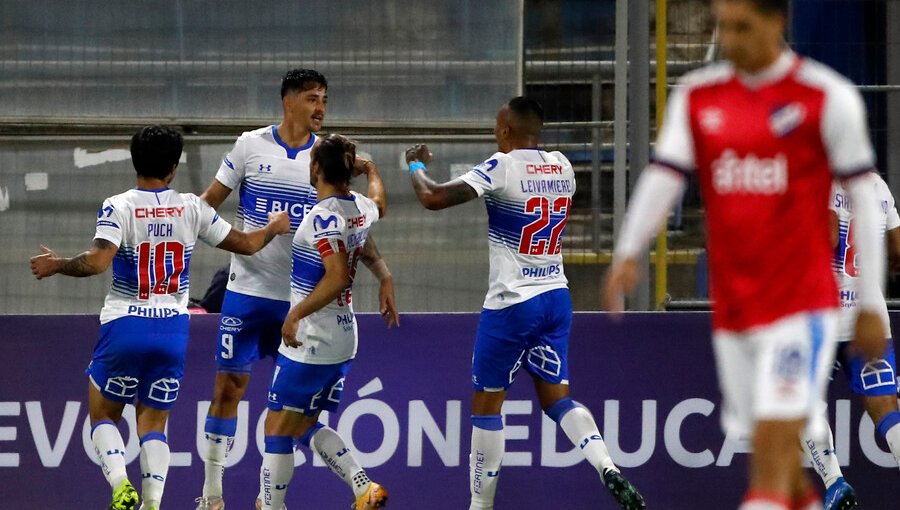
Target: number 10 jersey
pixel 528 194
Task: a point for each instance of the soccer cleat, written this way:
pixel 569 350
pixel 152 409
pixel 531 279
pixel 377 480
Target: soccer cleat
pixel 259 505
pixel 124 497
pixel 375 497
pixel 621 489
pixel 210 503
pixel 840 496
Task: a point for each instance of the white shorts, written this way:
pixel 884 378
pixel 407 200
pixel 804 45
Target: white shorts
pixel 777 372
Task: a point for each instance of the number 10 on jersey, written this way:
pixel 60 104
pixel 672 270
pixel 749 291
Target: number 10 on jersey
pixel 542 206
pixel 165 275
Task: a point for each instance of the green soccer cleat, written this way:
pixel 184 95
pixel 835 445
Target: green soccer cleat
pixel 124 497
pixel 621 489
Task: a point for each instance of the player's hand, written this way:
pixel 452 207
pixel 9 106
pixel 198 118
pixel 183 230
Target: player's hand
pixel 363 166
pixel 387 304
pixel 419 152
pixel 289 331
pixel 621 279
pixel 45 264
pixel 869 336
pixel 280 223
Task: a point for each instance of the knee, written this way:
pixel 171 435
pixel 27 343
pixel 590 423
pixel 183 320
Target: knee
pixel 559 409
pixel 229 388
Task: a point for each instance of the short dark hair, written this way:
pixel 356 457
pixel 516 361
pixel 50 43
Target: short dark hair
pixel 298 80
pixel 335 155
pixel 528 115
pixel 782 7
pixel 155 151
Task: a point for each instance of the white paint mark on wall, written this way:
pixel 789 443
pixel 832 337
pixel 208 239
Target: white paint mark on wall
pixel 4 199
pixel 36 181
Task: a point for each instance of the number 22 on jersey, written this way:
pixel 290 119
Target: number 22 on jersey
pixel 543 207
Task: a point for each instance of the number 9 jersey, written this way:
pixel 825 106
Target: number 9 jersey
pixel 155 231
pixel 528 195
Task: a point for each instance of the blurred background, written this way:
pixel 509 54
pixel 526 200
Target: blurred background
pixel 77 78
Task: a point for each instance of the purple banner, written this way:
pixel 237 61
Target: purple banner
pixel 649 379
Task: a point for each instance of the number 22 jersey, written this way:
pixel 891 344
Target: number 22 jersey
pixel 155 231
pixel 528 195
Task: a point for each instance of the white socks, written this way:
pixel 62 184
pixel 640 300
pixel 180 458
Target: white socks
pixel 276 471
pixel 823 458
pixel 110 450
pixel 580 428
pixel 219 438
pixel 889 428
pixel 154 468
pixel 331 449
pixel 488 446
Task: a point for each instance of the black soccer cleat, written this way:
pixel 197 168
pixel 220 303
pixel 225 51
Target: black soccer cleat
pixel 621 489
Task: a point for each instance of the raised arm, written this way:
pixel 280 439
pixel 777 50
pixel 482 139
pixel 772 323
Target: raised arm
pixel 332 284
pixel 375 191
pixel 387 303
pixel 432 195
pixel 93 261
pixel 248 243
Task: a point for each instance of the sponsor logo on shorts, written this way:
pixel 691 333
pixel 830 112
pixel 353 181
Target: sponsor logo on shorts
pixel 231 324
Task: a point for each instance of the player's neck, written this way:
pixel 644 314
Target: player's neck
pixel 327 190
pixel 521 143
pixel 766 62
pixel 149 183
pixel 293 134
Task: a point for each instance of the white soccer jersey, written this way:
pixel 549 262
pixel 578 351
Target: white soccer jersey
pixel 272 178
pixel 844 261
pixel 528 195
pixel 155 231
pixel 336 224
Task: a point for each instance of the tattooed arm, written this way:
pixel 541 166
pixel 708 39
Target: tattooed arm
pixel 93 261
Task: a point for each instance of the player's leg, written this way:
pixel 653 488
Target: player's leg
pixel 249 329
pixel 163 351
pixel 113 382
pixel 547 362
pixel 499 352
pixel 876 380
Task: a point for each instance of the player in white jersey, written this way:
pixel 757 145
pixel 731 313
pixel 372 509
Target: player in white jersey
pixel 527 313
pixel 319 333
pixel 874 379
pixel 147 234
pixel 270 167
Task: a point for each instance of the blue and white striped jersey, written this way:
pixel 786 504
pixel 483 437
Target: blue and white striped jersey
pixel 155 231
pixel 528 194
pixel 272 178
pixel 334 225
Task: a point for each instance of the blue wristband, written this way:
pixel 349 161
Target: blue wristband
pixel 416 165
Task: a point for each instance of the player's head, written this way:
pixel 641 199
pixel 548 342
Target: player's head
pixel 519 124
pixel 304 97
pixel 155 151
pixel 751 32
pixel 332 160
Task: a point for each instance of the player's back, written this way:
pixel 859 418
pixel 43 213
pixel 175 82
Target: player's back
pixel 155 231
pixel 528 195
pixel 334 225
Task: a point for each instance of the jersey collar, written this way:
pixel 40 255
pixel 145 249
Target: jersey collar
pixel 782 66
pixel 292 152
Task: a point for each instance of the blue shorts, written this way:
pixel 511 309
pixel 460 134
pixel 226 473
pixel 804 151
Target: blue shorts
pixel 305 388
pixel 534 333
pixel 872 379
pixel 249 330
pixel 139 358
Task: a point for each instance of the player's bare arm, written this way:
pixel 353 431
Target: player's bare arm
pixel 329 288
pixel 432 195
pixel 93 261
pixel 376 190
pixel 387 303
pixel 248 243
pixel 893 249
pixel 215 194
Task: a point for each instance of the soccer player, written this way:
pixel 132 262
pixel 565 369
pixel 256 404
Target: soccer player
pixel 874 379
pixel 319 333
pixel 271 167
pixel 527 313
pixel 764 132
pixel 147 234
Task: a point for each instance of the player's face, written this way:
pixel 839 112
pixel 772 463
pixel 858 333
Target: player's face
pixel 501 129
pixel 308 107
pixel 750 39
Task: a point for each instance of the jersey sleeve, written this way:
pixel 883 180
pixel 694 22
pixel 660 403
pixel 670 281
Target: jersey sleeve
pixel 213 229
pixel 489 176
pixel 231 171
pixel 845 131
pixel 325 232
pixel 568 169
pixel 893 219
pixel 367 206
pixel 109 223
pixel 835 190
pixel 675 142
